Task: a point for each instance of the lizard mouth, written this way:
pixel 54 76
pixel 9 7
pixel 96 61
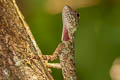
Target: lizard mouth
pixel 65 35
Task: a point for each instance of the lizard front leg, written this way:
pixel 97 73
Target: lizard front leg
pixel 53 57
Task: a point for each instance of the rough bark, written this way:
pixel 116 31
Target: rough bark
pixel 17 47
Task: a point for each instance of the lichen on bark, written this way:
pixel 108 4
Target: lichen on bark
pixel 17 47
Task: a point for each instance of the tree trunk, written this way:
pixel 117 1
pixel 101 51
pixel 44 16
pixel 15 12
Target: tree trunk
pixel 17 47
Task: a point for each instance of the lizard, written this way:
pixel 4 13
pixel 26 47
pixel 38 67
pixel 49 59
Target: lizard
pixel 65 50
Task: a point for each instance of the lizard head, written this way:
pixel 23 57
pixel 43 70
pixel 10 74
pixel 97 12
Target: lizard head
pixel 70 19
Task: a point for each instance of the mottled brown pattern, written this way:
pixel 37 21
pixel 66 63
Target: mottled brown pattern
pixel 18 47
pixel 67 56
pixel 65 50
pixel 67 61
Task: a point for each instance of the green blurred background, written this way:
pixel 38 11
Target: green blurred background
pixel 97 39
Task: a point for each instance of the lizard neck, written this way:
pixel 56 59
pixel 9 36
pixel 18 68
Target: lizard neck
pixel 69 42
pixel 67 34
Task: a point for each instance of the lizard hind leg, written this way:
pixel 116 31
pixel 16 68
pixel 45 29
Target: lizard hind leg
pixel 51 65
pixel 47 58
pixel 54 65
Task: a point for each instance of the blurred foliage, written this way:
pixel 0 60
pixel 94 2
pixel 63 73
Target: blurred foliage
pixel 97 39
pixel 55 6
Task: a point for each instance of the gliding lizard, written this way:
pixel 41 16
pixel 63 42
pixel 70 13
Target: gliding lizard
pixel 65 50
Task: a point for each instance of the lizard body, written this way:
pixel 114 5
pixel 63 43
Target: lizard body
pixel 67 55
pixel 65 50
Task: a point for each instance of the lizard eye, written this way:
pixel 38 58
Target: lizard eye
pixel 78 15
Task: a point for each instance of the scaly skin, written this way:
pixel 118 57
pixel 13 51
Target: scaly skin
pixel 65 50
pixel 67 61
